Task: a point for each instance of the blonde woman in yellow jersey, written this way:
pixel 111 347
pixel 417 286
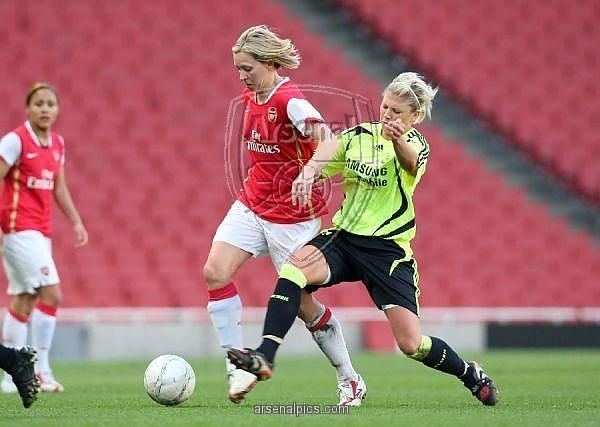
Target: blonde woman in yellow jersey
pixel 382 163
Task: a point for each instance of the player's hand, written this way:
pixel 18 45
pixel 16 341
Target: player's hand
pixel 396 129
pixel 302 186
pixel 81 235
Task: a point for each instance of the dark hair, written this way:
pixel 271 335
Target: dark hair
pixel 39 86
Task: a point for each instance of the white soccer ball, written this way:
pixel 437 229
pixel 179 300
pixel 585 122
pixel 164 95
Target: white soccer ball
pixel 169 380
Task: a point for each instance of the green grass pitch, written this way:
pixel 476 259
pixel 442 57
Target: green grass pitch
pixel 538 388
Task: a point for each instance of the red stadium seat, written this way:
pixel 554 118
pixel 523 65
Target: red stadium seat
pixel 508 68
pixel 144 112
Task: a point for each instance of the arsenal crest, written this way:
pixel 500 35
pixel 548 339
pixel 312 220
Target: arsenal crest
pixel 56 155
pixel 272 114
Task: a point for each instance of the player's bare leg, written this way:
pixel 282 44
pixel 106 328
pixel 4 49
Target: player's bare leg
pixel 435 353
pixel 43 325
pixel 14 330
pixel 224 305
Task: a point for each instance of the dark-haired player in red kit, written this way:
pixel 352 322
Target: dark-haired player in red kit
pixel 32 161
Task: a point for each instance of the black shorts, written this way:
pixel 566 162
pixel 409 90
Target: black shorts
pixel 374 261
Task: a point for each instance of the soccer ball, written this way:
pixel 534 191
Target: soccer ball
pixel 169 380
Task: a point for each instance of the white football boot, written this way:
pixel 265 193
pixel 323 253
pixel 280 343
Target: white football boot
pixel 240 383
pixel 49 384
pixel 229 368
pixel 351 392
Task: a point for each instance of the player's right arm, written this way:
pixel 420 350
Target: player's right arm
pixel 327 145
pixel 10 152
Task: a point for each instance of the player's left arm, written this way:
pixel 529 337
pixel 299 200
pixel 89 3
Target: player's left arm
pixel 66 205
pixel 309 122
pixel 327 146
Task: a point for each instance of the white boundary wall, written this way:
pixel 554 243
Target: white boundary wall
pixel 346 314
pixel 134 333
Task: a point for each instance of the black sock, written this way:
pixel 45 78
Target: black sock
pixel 268 347
pixel 443 358
pixel 281 312
pixel 7 358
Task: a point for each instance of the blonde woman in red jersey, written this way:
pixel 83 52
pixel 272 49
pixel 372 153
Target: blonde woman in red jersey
pixel 32 166
pixel 277 212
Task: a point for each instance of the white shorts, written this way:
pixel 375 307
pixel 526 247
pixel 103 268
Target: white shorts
pixel 27 259
pixel 243 229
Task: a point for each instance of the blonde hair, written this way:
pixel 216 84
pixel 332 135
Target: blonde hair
pixel 420 94
pixel 266 46
pixel 39 86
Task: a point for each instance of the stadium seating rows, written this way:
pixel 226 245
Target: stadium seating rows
pixel 529 68
pixel 145 90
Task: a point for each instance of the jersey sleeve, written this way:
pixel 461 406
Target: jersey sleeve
pixel 418 142
pixel 301 112
pixel 10 148
pixel 337 163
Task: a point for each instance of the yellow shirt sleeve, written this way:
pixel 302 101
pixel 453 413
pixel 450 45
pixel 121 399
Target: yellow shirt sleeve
pixel 418 142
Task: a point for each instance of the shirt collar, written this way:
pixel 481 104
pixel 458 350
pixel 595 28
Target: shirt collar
pixel 285 80
pixel 35 137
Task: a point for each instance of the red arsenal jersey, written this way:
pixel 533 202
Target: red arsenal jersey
pixel 274 138
pixel 29 183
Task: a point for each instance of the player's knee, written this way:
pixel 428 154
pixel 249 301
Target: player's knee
pixel 23 309
pixel 409 345
pixel 309 269
pixel 216 275
pixel 293 274
pixel 23 304
pixel 51 296
pixel 422 349
pixel 54 300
